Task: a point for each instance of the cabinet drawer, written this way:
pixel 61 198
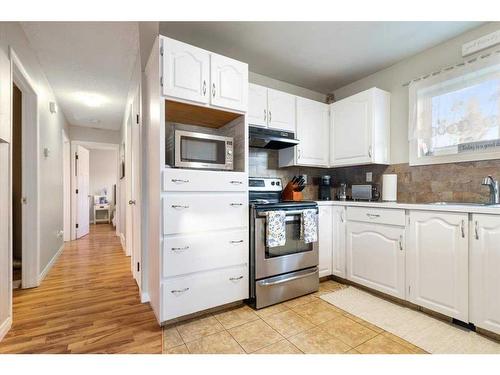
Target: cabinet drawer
pixel 193 293
pixel 376 215
pixel 201 252
pixel 188 213
pixel 195 180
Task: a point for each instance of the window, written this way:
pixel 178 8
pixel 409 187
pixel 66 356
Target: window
pixel 455 116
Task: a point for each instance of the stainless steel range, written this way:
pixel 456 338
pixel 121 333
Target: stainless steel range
pixel 282 272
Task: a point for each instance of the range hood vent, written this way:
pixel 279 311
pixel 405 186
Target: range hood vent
pixel 271 139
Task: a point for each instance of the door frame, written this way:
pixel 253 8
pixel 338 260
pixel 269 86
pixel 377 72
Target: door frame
pixel 90 146
pixel 66 151
pixel 30 166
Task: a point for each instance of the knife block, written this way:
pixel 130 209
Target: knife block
pixel 289 194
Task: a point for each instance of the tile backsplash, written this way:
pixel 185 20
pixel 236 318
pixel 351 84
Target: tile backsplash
pixel 460 182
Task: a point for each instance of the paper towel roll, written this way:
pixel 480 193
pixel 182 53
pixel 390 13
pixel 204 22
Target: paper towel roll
pixel 390 187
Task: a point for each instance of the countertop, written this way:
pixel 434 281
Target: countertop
pixel 417 206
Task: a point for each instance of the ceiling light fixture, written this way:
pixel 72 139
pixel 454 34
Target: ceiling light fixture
pixel 90 99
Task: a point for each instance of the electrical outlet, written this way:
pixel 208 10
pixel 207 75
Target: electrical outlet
pixel 369 176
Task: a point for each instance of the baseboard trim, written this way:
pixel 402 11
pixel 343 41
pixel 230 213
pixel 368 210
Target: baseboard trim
pixel 145 297
pixel 49 266
pixel 122 242
pixel 5 327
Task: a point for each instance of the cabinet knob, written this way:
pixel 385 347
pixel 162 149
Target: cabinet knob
pixel 204 87
pixel 476 229
pixel 213 90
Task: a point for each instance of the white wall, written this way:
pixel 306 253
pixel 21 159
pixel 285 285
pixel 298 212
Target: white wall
pixel 392 79
pixel 102 173
pixel 85 134
pixel 259 79
pixel 50 173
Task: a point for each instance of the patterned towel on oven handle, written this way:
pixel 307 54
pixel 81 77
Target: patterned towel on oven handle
pixel 309 226
pixel 275 228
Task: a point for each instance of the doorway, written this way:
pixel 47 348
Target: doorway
pixel 17 186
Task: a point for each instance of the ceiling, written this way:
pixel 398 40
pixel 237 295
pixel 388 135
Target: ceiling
pixel 89 66
pixel 320 56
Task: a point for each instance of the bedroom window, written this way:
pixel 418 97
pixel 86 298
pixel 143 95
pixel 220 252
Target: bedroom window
pixel 455 116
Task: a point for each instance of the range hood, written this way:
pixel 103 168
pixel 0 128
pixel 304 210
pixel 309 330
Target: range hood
pixel 271 139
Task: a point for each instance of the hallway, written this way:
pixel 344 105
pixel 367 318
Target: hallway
pixel 89 303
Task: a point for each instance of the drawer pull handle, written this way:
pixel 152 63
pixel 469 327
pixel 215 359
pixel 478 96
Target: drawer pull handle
pixel 178 291
pixel 372 216
pixel 179 206
pixel 236 204
pixel 179 249
pixel 236 278
pixel 234 182
pixel 179 181
pixel 239 241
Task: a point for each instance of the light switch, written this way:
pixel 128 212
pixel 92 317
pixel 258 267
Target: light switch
pixel 369 176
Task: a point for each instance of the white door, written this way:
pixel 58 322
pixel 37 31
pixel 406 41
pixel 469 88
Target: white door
pixel 186 71
pixel 485 272
pixel 257 105
pixel 82 192
pixel 229 83
pixel 338 241
pixel 437 262
pixel 66 187
pixel 376 258
pixel 135 201
pixel 281 110
pixel 313 133
pixel 325 226
pixel 351 130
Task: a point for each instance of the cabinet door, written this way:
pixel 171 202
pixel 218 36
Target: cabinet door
pixel 338 248
pixel 351 123
pixel 485 272
pixel 229 83
pixel 325 223
pixel 313 133
pixel 376 258
pixel 437 262
pixel 186 71
pixel 281 110
pixel 257 105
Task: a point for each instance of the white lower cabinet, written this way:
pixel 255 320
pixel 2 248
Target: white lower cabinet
pixel 338 241
pixel 192 293
pixel 325 240
pixel 376 257
pixel 484 269
pixel 437 262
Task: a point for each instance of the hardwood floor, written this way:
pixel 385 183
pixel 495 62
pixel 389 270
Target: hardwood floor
pixel 89 303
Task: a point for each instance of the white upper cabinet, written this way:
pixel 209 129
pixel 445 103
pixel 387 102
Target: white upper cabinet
pixel 360 129
pixel 437 262
pixel 195 75
pixel 229 83
pixel 186 71
pixel 280 110
pixel 313 133
pixel 257 105
pixel 484 272
pixel 271 108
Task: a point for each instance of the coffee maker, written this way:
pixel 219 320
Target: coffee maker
pixel 324 189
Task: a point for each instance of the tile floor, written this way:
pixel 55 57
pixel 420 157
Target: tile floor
pixel 303 325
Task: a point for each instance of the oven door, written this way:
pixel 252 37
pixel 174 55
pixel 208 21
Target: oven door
pixel 198 150
pixel 293 256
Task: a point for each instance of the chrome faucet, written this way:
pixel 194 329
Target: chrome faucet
pixel 494 189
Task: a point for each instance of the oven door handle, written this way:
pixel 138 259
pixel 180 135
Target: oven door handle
pixel 271 283
pixel 294 212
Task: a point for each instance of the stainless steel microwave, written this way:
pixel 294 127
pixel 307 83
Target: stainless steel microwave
pixel 188 149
